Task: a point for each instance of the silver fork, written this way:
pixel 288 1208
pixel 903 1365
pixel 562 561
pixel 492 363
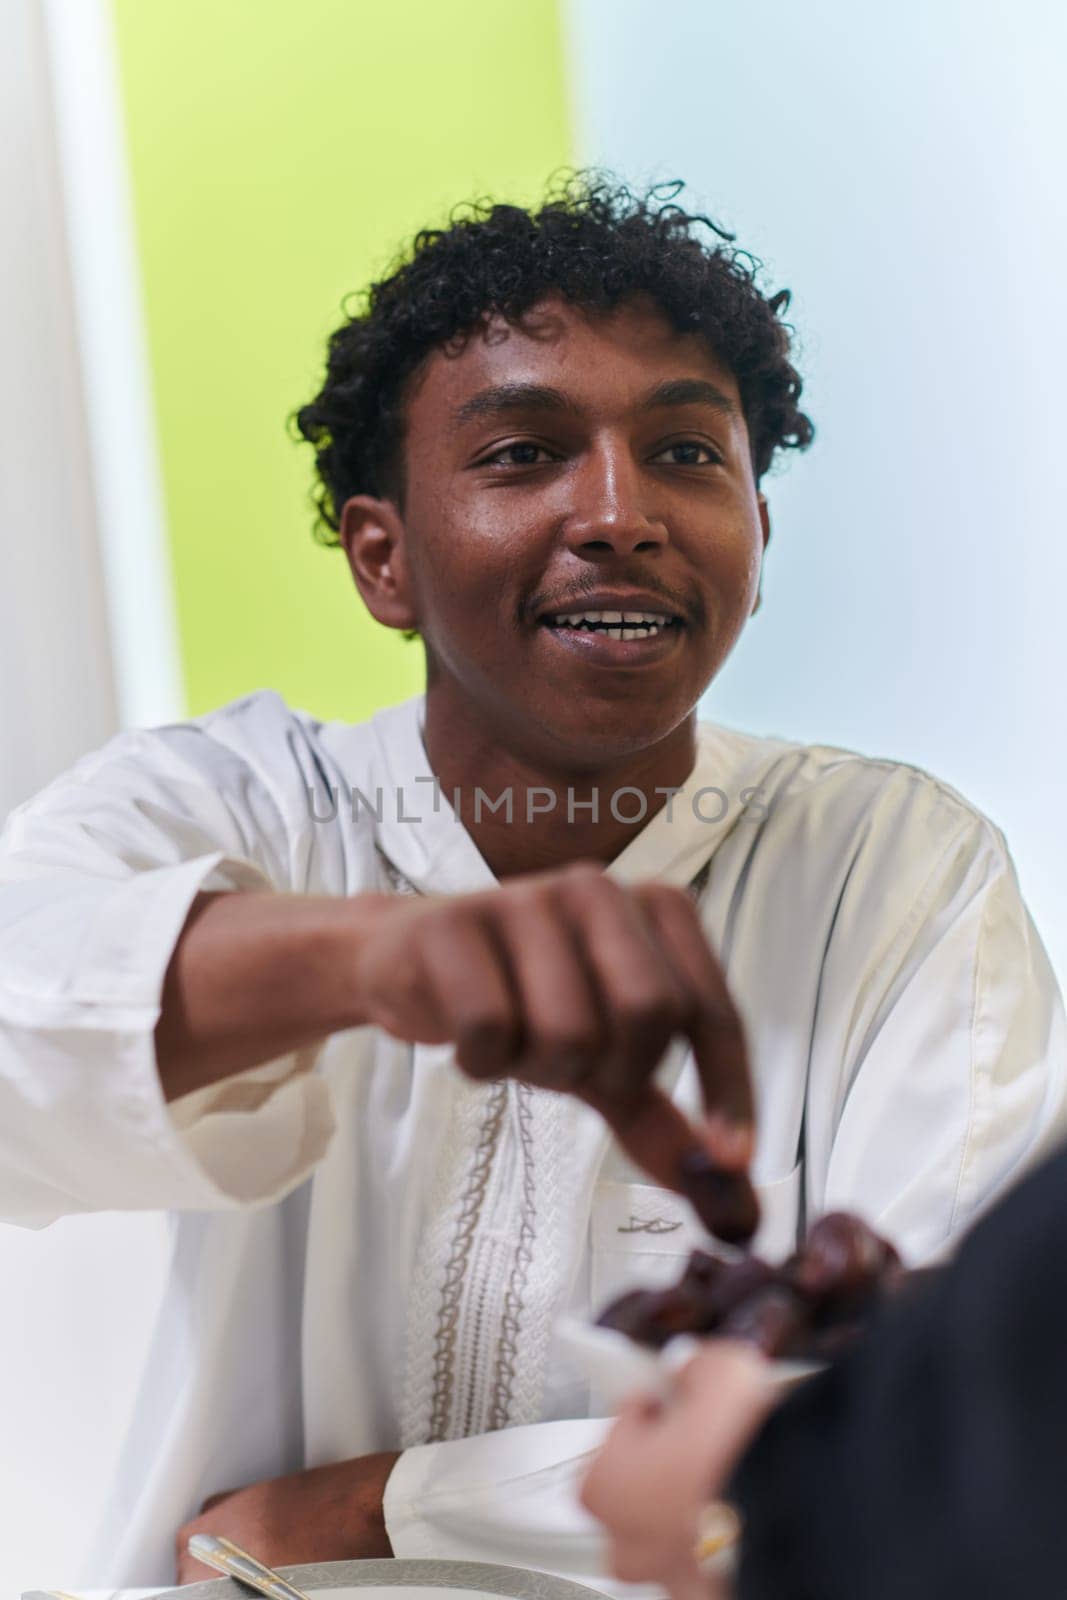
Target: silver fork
pixel 225 1556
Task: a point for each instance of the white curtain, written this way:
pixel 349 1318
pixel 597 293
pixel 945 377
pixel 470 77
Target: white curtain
pixel 76 1298
pixel 57 696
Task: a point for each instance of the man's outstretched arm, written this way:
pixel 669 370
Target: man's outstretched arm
pixel 566 980
pixel 254 977
pixel 152 944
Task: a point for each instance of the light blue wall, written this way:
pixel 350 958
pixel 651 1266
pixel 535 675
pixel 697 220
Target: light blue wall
pixel 901 168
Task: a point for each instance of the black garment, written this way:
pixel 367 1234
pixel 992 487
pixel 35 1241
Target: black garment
pixel 932 1462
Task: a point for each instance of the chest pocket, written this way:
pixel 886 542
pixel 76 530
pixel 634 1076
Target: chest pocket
pixel 642 1235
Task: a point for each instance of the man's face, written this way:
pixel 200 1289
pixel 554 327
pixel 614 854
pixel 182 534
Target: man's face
pixel 581 526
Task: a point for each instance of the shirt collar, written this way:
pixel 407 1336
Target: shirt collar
pixel 421 835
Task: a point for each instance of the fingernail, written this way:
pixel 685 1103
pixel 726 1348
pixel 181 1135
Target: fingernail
pixel 732 1143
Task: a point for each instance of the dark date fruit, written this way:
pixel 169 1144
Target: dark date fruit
pixel 738 1281
pixel 702 1269
pixel 773 1319
pixel 842 1258
pixel 629 1314
pixel 840 1252
pixel 812 1306
pixel 828 1340
pixel 724 1201
pixel 652 1316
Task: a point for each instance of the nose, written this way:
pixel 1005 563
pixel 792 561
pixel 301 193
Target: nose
pixel 608 514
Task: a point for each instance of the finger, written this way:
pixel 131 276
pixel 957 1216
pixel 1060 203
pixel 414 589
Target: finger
pixel 644 1408
pixel 724 1200
pixel 565 1030
pixel 638 986
pixel 714 1029
pixel 716 1587
pixel 635 1559
pixel 721 1366
pixel 190 1571
pixel 733 1387
pixel 467 970
pixel 659 1138
pixel 636 1417
pixel 638 992
pixel 651 1129
pixel 687 1582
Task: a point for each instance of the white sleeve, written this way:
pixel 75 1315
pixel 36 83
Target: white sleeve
pixel 940 1072
pixel 97 875
pixel 509 1498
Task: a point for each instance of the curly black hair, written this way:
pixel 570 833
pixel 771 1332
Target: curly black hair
pixel 594 243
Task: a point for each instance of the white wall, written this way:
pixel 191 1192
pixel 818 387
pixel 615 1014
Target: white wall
pixel 901 168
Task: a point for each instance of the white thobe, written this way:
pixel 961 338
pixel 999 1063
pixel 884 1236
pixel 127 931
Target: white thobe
pixel 369 1250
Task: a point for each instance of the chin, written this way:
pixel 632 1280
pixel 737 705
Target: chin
pixel 601 735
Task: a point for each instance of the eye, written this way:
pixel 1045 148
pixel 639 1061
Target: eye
pixel 524 453
pixel 688 453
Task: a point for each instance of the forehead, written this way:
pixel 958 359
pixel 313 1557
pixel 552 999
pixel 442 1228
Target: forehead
pixel 603 361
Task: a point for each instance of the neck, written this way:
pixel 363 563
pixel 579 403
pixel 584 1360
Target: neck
pixel 530 812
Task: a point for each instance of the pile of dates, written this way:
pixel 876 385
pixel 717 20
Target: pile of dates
pixel 809 1308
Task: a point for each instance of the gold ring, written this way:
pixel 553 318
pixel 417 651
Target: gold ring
pixel 720 1527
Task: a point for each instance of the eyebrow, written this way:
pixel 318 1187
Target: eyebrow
pixel 504 397
pixel 691 392
pixel 509 397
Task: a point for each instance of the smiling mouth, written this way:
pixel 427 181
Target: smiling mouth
pixel 619 625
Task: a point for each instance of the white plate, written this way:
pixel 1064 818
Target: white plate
pixel 401 1579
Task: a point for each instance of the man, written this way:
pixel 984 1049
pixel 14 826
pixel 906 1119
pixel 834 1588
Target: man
pixel 928 1463
pixel 241 956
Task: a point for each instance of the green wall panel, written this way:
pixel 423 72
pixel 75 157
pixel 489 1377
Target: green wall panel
pixel 280 153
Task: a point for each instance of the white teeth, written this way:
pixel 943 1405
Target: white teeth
pixel 610 621
pixel 621 633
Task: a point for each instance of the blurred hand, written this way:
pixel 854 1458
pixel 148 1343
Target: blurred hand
pixel 664 1461
pixel 573 982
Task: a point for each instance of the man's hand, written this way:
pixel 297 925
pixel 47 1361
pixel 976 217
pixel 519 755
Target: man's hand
pixel 663 1463
pixel 331 1513
pixel 573 982
pixel 565 979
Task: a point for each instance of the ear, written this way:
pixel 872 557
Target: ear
pixel 765 524
pixel 375 542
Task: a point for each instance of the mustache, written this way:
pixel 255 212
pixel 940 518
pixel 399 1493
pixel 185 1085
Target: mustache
pixel 690 608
